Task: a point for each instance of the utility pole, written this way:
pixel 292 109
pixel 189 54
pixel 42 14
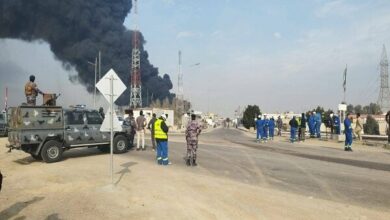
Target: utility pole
pixel 100 62
pixel 384 93
pixel 180 89
pixel 95 65
pixel 94 86
pixel 6 99
pixel 135 84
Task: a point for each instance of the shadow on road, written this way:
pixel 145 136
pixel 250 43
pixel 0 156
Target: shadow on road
pixel 26 161
pixel 82 152
pixel 14 209
pixel 124 171
pixel 53 217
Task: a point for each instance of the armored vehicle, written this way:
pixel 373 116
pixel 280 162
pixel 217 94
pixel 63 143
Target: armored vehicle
pixel 3 124
pixel 46 132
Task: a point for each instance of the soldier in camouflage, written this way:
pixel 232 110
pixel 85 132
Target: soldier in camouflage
pixel 31 91
pixel 192 132
pixel 130 121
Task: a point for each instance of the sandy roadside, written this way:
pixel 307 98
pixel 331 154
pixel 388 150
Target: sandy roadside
pixel 78 188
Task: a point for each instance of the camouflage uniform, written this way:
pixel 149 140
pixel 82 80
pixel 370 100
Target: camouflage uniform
pixel 192 132
pixel 130 121
pixel 31 91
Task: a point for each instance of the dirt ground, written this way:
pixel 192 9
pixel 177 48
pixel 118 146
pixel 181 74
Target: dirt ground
pixel 79 188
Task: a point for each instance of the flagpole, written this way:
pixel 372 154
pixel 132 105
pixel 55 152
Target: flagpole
pixel 345 84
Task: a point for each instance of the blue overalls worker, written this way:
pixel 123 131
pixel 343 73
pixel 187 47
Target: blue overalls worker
pixel 161 136
pixel 266 126
pixel 258 128
pixel 261 127
pixel 318 124
pixel 311 123
pixel 336 124
pixel 348 133
pixel 271 127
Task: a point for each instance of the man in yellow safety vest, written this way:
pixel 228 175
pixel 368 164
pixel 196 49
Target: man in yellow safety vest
pixel 161 137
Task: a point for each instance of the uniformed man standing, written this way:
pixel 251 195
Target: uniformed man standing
pixel 31 91
pixel 151 128
pixel 130 121
pixel 192 132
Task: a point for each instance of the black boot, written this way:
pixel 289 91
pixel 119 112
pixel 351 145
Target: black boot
pixel 188 162
pixel 194 162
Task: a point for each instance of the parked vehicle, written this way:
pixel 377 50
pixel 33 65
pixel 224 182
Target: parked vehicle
pixel 3 124
pixel 46 132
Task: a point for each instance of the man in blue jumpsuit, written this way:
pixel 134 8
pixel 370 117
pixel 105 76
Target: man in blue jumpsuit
pixel 318 124
pixel 348 133
pixel 258 129
pixel 311 123
pixel 266 125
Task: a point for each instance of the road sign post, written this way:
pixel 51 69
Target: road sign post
pixel 111 86
pixel 112 128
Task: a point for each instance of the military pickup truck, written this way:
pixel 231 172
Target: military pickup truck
pixel 46 132
pixel 3 124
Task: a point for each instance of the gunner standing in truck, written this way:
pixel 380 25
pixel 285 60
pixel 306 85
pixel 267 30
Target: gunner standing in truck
pixel 31 91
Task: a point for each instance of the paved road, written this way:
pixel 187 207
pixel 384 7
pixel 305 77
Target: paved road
pixel 358 178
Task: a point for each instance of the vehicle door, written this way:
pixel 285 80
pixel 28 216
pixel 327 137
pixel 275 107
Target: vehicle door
pixel 94 122
pixel 74 127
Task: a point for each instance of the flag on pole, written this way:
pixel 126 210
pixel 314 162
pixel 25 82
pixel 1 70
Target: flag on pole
pixel 345 79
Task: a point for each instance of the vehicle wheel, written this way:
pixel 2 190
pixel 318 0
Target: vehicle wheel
pixel 36 157
pixel 52 151
pixel 120 144
pixel 104 149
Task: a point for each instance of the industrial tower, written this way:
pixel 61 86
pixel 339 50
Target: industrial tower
pixel 384 93
pixel 180 89
pixel 135 84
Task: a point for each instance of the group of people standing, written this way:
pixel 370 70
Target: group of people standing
pixel 297 125
pixel 314 122
pixel 159 136
pixel 265 128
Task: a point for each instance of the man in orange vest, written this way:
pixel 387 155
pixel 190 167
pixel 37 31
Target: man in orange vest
pixel 31 91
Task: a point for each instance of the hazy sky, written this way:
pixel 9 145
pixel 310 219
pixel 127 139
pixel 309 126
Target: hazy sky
pixel 280 55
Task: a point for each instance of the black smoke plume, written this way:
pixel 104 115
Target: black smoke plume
pixel 76 30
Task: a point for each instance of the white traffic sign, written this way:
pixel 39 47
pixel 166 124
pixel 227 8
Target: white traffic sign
pixel 104 85
pixel 106 127
pixel 111 86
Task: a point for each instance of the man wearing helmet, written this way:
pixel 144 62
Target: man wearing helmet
pixel 31 91
pixel 161 137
